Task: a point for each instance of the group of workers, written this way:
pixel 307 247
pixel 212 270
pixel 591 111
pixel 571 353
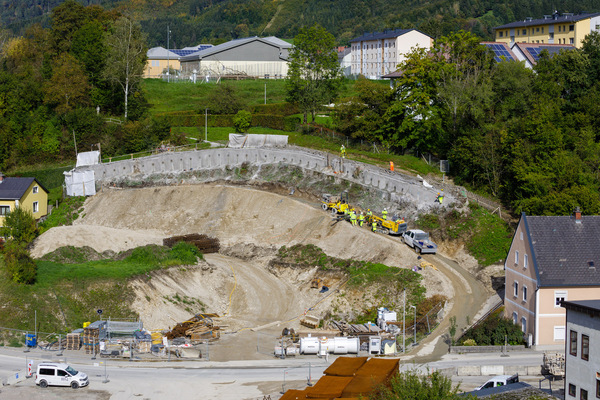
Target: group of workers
pixel 359 219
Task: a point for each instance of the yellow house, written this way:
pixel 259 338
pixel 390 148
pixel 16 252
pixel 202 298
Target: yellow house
pixel 566 28
pixel 26 193
pixel 551 259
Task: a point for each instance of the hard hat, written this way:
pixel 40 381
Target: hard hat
pixel 385 209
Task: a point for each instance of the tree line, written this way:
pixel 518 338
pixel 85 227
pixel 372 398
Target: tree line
pixel 58 84
pixel 528 137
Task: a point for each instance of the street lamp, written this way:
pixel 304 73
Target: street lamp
pixel 415 325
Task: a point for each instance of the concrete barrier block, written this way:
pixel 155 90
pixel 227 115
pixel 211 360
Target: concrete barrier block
pixel 16 378
pixel 469 370
pixel 515 369
pixel 535 370
pixel 492 370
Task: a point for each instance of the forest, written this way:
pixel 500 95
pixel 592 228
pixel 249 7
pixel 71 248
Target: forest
pixel 215 21
pixel 527 137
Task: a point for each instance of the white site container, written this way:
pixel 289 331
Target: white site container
pixel 291 351
pixel 375 345
pixel 345 345
pixel 309 345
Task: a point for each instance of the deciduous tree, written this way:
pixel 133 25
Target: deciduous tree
pixel 314 74
pixel 126 56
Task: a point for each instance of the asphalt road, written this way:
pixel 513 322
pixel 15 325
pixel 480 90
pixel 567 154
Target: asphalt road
pixel 248 379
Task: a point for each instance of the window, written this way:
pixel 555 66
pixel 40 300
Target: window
pixel 542 29
pixel 524 293
pixel 47 371
pixel 525 261
pixel 524 32
pixel 560 28
pixel 36 207
pixel 524 324
pixel 4 210
pixel 155 63
pixel 551 35
pixel 501 34
pixel 583 394
pixel 516 257
pixel 585 347
pixel 515 318
pixel 516 289
pixel 521 235
pixel 61 372
pixel 537 29
pixel 559 296
pixel 572 390
pixel 34 190
pixel 571 28
pixel 573 343
pixel 571 40
pixel 597 386
pixel 559 333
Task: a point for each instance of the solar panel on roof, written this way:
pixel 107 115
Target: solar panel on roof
pixel 500 52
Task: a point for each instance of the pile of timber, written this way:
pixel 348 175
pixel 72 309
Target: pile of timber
pixel 200 327
pixel 204 243
pixel 356 329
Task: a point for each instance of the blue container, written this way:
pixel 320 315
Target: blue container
pixel 30 340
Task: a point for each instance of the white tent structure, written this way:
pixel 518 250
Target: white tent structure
pixel 80 183
pixel 238 141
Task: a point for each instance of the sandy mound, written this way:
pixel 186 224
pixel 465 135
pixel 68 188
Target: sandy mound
pixel 100 238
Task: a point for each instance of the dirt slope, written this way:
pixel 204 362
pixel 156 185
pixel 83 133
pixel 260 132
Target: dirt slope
pixel 251 225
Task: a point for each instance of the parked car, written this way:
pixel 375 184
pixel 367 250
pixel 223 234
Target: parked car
pixel 58 374
pixel 419 240
pixel 499 380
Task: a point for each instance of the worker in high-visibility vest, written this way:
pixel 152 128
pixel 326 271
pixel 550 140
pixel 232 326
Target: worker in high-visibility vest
pixel 384 214
pixel 353 217
pixel 361 219
pixel 374 226
pixel 343 151
pixel 369 212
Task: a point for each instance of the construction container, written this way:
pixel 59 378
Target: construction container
pixel 291 351
pixel 309 345
pixel 375 345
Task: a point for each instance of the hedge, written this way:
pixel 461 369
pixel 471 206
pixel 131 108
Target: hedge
pixel 285 109
pixel 278 122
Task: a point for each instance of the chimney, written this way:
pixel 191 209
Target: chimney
pixel 577 215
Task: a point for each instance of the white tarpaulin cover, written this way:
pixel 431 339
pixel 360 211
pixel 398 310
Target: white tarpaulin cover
pixel 80 183
pixel 238 141
pixel 88 158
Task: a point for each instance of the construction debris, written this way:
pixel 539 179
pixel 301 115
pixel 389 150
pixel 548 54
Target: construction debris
pixel 554 364
pixel 204 243
pixel 200 327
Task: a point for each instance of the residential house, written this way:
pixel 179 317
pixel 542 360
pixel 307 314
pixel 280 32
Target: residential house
pixel 551 259
pixel 249 57
pixel 566 28
pixel 345 59
pixel 26 193
pixel 379 53
pixel 161 60
pixel 530 52
pixel 582 350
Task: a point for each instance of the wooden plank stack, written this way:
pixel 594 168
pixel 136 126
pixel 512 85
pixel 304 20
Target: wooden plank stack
pixel 91 340
pixel 73 341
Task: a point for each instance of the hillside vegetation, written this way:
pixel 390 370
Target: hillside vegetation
pixel 213 21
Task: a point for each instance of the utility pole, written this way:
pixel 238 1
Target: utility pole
pixel 415 325
pixel 206 124
pixel 168 55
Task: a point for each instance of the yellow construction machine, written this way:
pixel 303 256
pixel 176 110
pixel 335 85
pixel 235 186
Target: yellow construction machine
pixel 395 226
pixel 337 204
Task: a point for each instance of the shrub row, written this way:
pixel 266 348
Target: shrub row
pixel 285 109
pixel 278 122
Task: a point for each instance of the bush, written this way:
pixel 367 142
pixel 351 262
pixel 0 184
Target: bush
pixel 410 385
pixel 21 268
pixel 242 121
pixel 186 253
pixel 19 225
pixel 493 330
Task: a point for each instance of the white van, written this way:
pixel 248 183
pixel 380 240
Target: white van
pixel 57 374
pixel 499 380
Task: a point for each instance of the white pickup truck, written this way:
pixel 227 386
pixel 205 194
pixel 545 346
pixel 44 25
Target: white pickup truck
pixel 419 240
pixel 499 380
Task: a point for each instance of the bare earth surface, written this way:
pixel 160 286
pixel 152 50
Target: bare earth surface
pixel 251 225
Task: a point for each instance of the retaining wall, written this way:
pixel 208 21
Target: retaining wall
pixel 399 187
pixel 486 349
